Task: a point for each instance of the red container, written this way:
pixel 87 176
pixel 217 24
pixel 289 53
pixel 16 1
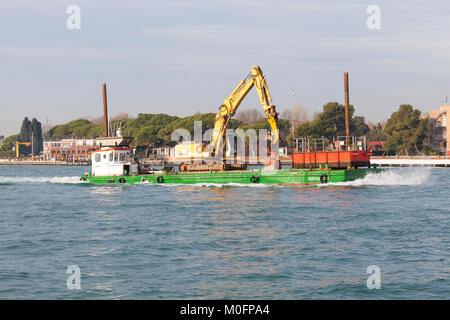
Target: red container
pixel 334 159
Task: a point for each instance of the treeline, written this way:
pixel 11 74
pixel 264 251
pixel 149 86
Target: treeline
pixel 154 129
pixel 30 131
pixel 404 133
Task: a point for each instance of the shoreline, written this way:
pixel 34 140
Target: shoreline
pixel 42 163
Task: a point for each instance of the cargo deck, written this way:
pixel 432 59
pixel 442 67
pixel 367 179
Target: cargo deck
pixel 282 177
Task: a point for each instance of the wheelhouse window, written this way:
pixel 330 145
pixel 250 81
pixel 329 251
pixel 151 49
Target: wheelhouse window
pixel 116 156
pixel 111 156
pixel 122 157
pixel 97 158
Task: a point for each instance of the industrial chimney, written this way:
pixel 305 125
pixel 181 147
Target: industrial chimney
pixel 105 112
pixel 347 111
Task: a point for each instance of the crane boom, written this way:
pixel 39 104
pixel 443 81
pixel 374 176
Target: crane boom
pixel 217 145
pixel 231 103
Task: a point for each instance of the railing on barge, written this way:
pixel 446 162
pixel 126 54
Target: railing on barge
pixel 410 161
pixel 317 153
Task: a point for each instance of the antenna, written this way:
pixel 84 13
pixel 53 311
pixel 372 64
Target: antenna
pixel 46 128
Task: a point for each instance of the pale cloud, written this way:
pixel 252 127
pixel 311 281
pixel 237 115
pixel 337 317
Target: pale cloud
pixel 37 52
pixel 172 50
pixel 294 44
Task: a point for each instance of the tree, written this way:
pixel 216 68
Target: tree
pixel 207 119
pixel 330 124
pixel 283 129
pixel 25 135
pixel 406 132
pixel 9 143
pixel 249 117
pixel 146 127
pixel 25 131
pixel 120 116
pixel 358 126
pixel 376 133
pixel 145 136
pixel 36 133
pixel 79 128
pixel 297 115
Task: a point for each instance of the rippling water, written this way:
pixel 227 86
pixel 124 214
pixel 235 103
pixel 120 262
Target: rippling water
pixel 149 241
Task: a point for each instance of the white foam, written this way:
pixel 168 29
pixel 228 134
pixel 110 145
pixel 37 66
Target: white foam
pixel 246 185
pixel 217 185
pixel 390 177
pixel 60 180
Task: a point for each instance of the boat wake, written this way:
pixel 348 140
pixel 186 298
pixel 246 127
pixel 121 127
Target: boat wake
pixel 53 180
pixel 390 177
pixel 214 185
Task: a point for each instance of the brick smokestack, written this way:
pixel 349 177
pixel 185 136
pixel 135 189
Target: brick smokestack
pixel 105 112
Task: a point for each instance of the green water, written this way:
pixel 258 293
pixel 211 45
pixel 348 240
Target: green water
pixel 209 241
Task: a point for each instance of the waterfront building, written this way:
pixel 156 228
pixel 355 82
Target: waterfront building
pixel 376 147
pixel 69 149
pixel 440 129
pixel 163 152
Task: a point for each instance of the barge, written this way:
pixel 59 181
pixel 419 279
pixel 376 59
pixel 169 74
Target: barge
pixel 115 163
pixel 280 177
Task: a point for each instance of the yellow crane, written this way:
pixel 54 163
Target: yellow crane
pixel 227 110
pixel 21 144
pixel 231 103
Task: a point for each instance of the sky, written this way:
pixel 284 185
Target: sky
pixel 180 57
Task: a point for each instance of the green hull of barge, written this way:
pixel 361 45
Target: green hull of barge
pixel 282 177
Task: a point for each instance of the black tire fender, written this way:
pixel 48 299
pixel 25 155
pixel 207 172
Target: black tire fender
pixel 323 178
pixel 160 179
pixel 254 179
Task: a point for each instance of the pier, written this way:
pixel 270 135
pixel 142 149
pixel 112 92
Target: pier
pixel 285 160
pixel 43 162
pixel 404 161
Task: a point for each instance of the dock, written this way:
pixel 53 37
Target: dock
pixel 285 160
pixel 401 161
pixel 411 161
pixel 43 163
